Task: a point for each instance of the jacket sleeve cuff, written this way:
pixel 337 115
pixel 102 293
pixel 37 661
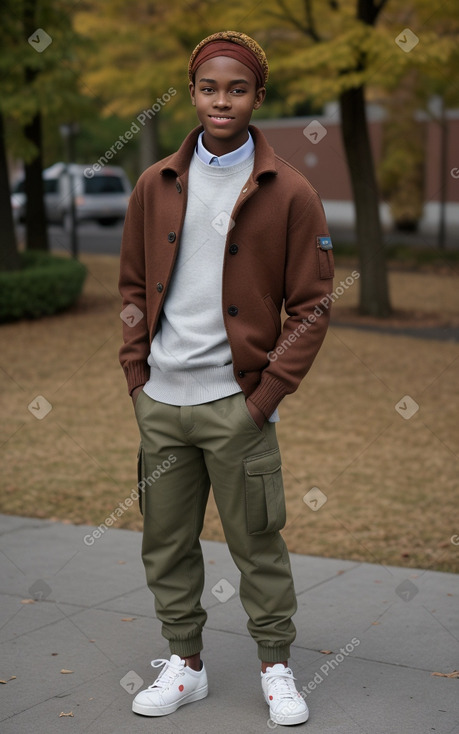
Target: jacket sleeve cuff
pixel 268 395
pixel 137 374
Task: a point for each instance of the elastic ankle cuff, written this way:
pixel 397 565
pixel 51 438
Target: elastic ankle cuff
pixel 186 648
pixel 273 654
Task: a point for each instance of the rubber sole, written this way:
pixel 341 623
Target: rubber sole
pixel 289 720
pixel 145 710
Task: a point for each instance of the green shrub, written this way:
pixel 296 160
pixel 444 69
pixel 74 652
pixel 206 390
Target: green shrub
pixel 44 285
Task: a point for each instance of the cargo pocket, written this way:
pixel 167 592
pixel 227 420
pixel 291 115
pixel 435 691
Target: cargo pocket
pixel 140 476
pixel 264 492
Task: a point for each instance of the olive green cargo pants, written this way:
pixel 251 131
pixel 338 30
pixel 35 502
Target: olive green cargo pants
pixel 183 451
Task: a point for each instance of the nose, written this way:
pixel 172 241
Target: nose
pixel 222 100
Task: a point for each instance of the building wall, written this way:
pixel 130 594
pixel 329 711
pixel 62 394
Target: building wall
pixel 322 159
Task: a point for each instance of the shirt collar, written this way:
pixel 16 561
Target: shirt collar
pixel 229 159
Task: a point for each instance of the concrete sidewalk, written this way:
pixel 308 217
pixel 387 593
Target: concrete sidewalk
pixel 69 605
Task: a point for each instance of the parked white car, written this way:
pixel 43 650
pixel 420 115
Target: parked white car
pixel 103 197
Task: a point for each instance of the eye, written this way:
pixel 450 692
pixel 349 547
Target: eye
pixel 238 91
pixel 206 89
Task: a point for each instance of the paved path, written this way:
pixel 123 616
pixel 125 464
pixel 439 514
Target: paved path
pixel 387 629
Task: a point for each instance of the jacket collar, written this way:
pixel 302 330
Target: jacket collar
pixel 265 159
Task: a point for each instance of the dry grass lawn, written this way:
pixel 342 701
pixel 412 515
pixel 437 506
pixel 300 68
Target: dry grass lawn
pixel 390 483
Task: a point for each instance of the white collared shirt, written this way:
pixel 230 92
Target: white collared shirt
pixel 229 159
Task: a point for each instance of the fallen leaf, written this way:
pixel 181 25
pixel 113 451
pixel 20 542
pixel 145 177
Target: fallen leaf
pixel 454 674
pixel 70 713
pixel 54 653
pixel 12 677
pixel 128 619
pixel 28 601
pixel 326 652
pixel 66 671
pixel 121 563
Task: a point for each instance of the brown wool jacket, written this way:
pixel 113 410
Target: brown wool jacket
pixel 272 258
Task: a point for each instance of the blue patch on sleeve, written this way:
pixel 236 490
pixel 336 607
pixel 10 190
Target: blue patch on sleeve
pixel 324 243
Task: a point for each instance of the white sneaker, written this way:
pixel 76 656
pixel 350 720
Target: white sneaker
pixel 286 705
pixel 175 685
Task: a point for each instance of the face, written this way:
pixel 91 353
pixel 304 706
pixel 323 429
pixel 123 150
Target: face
pixel 225 94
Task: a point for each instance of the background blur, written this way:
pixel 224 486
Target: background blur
pixel 363 98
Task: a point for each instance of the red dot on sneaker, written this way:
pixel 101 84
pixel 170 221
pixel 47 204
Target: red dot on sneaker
pixel 270 698
pixel 180 687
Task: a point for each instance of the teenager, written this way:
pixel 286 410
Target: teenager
pixel 218 237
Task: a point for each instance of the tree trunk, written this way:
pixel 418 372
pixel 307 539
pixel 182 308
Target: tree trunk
pixel 149 143
pixel 35 218
pixel 374 291
pixel 9 255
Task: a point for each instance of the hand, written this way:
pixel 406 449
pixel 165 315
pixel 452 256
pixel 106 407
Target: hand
pixel 135 393
pixel 257 416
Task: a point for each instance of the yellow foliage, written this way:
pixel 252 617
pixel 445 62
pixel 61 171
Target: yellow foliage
pixel 316 50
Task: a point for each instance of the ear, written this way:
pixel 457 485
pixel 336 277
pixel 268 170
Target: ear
pixel 192 90
pixel 259 98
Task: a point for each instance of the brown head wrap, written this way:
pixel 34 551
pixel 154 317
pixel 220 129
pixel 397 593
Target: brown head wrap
pixel 235 45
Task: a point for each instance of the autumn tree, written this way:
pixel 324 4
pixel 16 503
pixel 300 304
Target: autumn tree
pixel 41 84
pixel 401 170
pixel 9 28
pixel 9 255
pixel 427 87
pixel 338 50
pixel 318 52
pixel 328 40
pixel 141 51
pixel 327 51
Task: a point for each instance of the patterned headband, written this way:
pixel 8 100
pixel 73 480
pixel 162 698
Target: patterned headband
pixel 257 60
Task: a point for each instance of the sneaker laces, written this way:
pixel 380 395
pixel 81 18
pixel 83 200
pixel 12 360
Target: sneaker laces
pixel 281 684
pixel 168 674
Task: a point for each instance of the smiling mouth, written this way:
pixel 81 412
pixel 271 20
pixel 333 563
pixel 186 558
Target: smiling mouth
pixel 220 117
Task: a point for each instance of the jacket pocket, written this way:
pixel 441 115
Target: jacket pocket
pixel 274 313
pixel 264 492
pixel 140 475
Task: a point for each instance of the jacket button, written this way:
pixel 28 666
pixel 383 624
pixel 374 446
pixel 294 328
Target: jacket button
pixel 178 187
pixel 241 373
pixel 233 310
pixel 233 249
pixel 171 236
pixel 159 287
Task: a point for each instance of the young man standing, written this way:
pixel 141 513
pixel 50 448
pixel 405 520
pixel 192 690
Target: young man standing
pixel 218 236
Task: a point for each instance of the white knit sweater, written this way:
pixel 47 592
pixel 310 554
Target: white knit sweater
pixel 190 358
